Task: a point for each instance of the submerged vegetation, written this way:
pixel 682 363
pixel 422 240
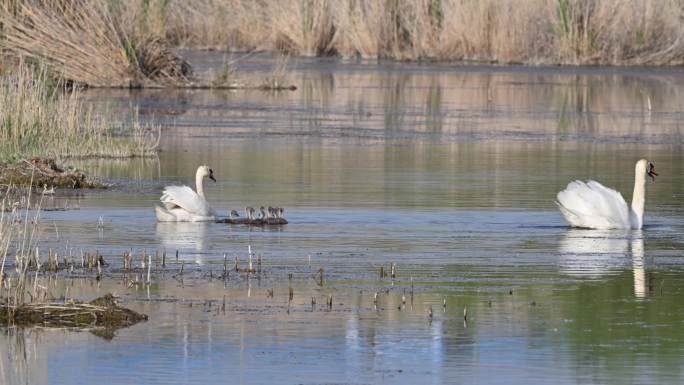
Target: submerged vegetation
pixel 38 117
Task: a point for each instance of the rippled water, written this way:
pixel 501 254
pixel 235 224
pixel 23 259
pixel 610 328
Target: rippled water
pixel 448 171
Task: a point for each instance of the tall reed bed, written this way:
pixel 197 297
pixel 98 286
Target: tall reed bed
pixel 100 43
pixel 617 32
pixel 40 118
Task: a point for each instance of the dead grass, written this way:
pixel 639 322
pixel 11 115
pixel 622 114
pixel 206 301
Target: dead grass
pixel 41 119
pixel 102 312
pixel 125 43
pixel 94 43
pixel 18 235
pixel 573 32
pixel 303 27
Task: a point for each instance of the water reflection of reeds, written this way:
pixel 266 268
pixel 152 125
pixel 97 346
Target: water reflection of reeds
pixel 392 99
pixel 133 168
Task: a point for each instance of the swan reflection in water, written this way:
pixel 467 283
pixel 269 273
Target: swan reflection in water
pixel 186 237
pixel 596 253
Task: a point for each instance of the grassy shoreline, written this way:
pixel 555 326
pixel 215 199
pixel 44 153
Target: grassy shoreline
pixel 40 118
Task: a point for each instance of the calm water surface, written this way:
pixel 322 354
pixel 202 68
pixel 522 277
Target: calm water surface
pixel 449 172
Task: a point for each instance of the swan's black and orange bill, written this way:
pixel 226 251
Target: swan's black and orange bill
pixel 651 171
pixel 211 175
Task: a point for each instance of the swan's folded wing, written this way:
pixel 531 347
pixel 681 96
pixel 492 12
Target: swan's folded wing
pixel 615 206
pixel 593 205
pixel 185 198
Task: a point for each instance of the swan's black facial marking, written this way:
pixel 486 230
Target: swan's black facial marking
pixel 211 175
pixel 651 171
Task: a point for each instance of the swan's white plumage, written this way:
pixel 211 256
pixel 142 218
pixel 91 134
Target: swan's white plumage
pixel 182 204
pixel 187 199
pixel 594 206
pixel 180 215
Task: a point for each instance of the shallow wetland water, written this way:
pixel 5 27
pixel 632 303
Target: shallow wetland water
pixel 450 172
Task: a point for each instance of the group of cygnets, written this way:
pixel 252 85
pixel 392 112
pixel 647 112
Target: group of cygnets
pixel 264 213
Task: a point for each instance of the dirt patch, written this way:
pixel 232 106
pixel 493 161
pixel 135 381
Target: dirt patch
pixel 41 172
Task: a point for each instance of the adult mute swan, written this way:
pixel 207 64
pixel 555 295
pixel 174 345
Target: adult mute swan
pixel 181 204
pixel 591 205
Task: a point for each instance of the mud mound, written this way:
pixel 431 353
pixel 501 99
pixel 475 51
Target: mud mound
pixel 40 172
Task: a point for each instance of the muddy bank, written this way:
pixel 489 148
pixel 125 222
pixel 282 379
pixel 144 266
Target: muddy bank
pixel 44 172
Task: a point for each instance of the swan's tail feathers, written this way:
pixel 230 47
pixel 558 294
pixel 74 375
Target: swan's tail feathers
pixel 163 215
pixel 572 219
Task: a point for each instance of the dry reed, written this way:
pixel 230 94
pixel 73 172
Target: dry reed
pixel 38 118
pixel 18 234
pixel 279 74
pixel 94 43
pixel 573 32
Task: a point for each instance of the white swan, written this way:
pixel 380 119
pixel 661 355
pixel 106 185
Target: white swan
pixel 181 204
pixel 591 205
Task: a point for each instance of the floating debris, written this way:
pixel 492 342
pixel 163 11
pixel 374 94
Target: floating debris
pixel 102 312
pixel 43 172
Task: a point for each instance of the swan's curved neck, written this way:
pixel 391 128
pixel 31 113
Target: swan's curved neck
pixel 638 198
pixel 199 181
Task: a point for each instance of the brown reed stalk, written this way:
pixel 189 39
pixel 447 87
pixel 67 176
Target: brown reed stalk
pixel 90 43
pixel 571 32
